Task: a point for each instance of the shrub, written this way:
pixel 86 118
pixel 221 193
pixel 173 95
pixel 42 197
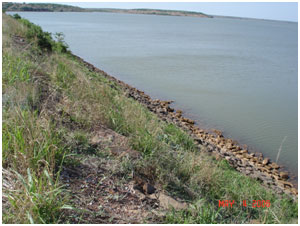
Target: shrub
pixel 44 39
pixel 17 16
pixel 60 45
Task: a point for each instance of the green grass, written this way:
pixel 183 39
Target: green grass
pixel 31 150
pixel 40 130
pixel 15 69
pixel 196 214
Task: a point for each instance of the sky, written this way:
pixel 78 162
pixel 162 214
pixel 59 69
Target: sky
pixel 287 11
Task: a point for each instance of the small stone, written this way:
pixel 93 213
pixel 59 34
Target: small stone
pixel 249 168
pixel 139 194
pixel 247 172
pixel 148 188
pixel 168 202
pixel 217 156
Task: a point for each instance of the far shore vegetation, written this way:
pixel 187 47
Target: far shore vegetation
pixel 46 7
pixel 53 104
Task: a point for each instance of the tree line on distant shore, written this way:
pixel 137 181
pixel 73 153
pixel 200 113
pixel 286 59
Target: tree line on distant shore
pixel 45 7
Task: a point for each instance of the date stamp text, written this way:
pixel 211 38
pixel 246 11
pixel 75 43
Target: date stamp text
pixel 254 203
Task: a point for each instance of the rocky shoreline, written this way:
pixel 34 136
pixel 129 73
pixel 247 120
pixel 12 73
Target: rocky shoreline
pixel 250 164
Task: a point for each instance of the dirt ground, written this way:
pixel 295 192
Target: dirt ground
pixel 102 193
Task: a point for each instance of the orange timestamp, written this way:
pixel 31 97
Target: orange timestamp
pixel 255 203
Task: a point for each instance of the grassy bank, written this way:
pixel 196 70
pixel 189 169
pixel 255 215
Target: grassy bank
pixel 52 106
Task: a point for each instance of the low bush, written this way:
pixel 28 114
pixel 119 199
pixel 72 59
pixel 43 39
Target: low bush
pixel 44 39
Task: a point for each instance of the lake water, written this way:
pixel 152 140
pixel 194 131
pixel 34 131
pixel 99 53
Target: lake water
pixel 238 76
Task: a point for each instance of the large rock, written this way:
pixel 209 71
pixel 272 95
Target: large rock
pixel 268 167
pixel 168 202
pixel 275 166
pixel 245 155
pixel 294 191
pixel 276 177
pixel 148 188
pixel 229 146
pixel 265 161
pixel 243 151
pixel 218 132
pixel 284 175
pixel 285 184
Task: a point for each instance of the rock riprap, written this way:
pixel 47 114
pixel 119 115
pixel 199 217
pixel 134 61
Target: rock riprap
pixel 250 164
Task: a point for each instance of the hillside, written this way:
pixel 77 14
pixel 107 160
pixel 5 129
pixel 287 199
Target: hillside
pixel 80 146
pixel 153 12
pixel 44 7
pixel 39 7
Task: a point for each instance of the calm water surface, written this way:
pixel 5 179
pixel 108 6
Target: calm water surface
pixel 239 76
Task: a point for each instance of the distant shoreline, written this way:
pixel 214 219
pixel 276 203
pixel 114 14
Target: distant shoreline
pixel 250 18
pixel 43 7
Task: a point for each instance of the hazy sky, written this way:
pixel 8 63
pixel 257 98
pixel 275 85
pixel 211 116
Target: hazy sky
pixel 263 10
